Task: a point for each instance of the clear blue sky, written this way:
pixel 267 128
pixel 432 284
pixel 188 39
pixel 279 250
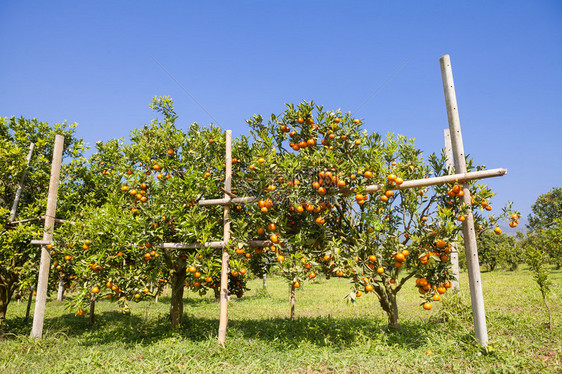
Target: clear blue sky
pixel 92 63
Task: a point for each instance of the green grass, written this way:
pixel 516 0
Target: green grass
pixel 329 335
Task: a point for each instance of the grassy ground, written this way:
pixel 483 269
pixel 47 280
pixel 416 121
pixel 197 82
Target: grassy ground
pixel 329 336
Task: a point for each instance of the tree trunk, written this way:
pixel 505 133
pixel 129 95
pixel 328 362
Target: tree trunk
pixel 178 277
pixel 29 300
pixel 292 302
pixel 4 301
pixel 6 292
pixel 390 306
pixel 92 310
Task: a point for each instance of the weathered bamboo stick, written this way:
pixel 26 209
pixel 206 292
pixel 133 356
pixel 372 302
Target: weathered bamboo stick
pixel 223 321
pixel 414 183
pixel 42 218
pixel 20 185
pixel 454 253
pixel 469 235
pixel 43 280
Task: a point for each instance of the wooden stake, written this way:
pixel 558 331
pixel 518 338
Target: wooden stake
pixel 20 185
pixel 223 322
pixel 469 235
pixel 454 253
pixel 43 280
pixel 60 293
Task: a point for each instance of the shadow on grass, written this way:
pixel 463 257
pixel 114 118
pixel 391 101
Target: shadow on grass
pixel 112 327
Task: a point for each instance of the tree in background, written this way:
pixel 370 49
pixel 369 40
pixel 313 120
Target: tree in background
pixel 498 250
pixel 545 224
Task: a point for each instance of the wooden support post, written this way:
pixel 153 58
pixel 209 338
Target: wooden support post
pixel 469 235
pixel 43 280
pixel 455 252
pixel 60 293
pixel 20 185
pixel 223 322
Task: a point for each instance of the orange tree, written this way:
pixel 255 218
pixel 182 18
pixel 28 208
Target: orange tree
pixel 310 169
pixel 151 186
pixel 19 260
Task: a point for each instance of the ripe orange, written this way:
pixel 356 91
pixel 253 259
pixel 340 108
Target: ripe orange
pixel 358 294
pixel 274 238
pixel 380 270
pixel 372 258
pixel 427 306
pixel 156 167
pixel 271 227
pixel 322 191
pixel 497 230
pixel 296 284
pixel 261 160
pixel 368 174
pixel 441 244
pixel 95 289
pixel 280 258
pixel 312 275
pixel 80 312
pixel 300 120
pixel 171 152
pixel 436 297
pixel 369 287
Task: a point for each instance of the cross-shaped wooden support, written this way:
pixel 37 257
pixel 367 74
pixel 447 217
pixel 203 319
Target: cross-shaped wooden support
pixel 461 176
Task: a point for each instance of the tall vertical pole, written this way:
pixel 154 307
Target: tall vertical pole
pixel 471 251
pixel 223 322
pixel 43 279
pixel 455 252
pixel 20 185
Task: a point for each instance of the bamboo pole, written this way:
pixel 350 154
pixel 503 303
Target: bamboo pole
pixel 43 279
pixel 20 185
pixel 251 243
pixel 414 183
pixel 60 291
pixel 471 250
pixel 223 322
pixel 454 253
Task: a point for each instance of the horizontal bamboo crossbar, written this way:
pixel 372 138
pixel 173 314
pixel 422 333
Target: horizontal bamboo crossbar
pixel 415 183
pixel 221 244
pixel 41 218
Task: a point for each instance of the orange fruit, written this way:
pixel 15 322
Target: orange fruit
pixel 427 305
